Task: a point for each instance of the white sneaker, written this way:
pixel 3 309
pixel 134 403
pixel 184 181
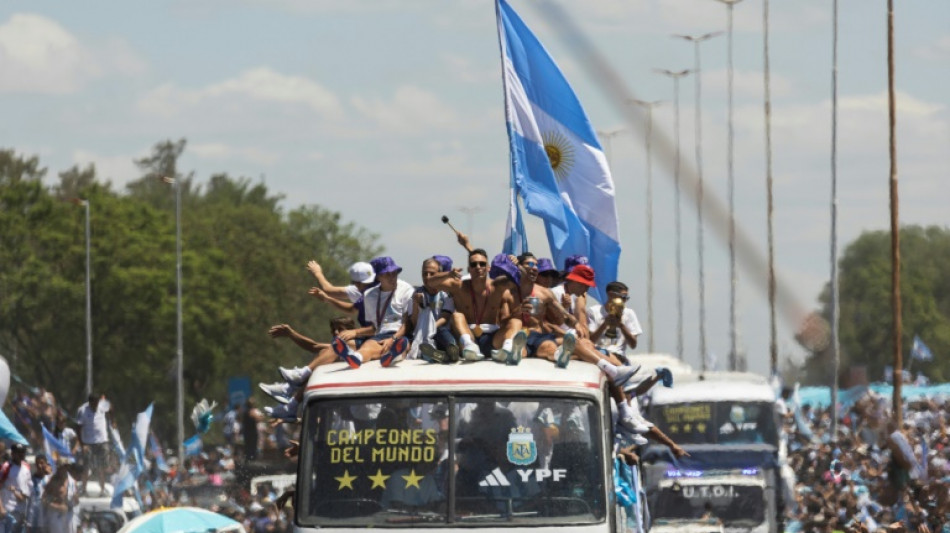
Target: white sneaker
pixel 633 425
pixel 287 413
pixel 296 376
pixel 563 354
pixel 281 391
pixel 624 373
pixel 471 353
pixel 513 356
pixel 499 356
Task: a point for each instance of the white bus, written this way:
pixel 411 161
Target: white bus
pixel 728 423
pixel 445 447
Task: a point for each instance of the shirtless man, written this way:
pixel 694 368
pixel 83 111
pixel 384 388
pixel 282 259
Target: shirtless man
pixel 482 315
pixel 532 302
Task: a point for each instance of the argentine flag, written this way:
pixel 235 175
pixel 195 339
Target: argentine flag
pixel 557 165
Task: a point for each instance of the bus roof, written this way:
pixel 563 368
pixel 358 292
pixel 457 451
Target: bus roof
pixel 715 390
pixel 485 376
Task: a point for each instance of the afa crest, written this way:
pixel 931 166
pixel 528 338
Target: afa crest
pixel 522 450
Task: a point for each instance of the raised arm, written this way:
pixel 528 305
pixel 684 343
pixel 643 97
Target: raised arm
pixel 331 289
pixel 345 306
pixel 284 330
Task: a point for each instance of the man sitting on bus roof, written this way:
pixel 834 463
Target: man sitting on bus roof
pixel 482 315
pixel 385 306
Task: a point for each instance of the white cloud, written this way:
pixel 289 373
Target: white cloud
pixel 216 150
pixel 411 110
pixel 119 169
pixel 939 49
pixel 39 55
pixel 259 84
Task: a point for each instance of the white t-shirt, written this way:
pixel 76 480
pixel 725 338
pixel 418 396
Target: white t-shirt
pixel 353 293
pixel 387 319
pixel 18 478
pixel 93 425
pixel 558 293
pixel 613 344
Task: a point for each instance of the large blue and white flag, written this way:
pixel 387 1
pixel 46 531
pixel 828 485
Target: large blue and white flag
pixel 557 164
pixel 516 239
pixel 920 351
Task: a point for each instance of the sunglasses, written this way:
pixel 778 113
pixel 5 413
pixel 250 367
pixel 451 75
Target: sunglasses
pixel 530 264
pixel 622 297
pixel 476 264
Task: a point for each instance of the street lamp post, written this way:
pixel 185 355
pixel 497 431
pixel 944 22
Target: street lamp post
pixel 700 244
pixel 676 75
pixel 649 107
pixel 607 136
pixel 85 205
pixel 179 350
pixel 733 282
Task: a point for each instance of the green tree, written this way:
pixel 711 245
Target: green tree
pixel 243 270
pixel 866 322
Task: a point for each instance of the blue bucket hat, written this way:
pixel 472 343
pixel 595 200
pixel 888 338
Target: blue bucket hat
pixel 546 266
pixel 444 261
pixel 573 261
pixel 384 265
pixel 501 265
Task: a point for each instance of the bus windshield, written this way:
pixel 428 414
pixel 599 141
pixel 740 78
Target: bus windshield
pixel 718 422
pixel 436 460
pixel 735 505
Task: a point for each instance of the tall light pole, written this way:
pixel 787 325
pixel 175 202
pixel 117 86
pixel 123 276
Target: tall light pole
pixel 85 204
pixel 733 282
pixel 676 75
pixel 897 331
pixel 649 107
pixel 179 350
pixel 835 342
pixel 767 79
pixel 607 136
pixel 700 244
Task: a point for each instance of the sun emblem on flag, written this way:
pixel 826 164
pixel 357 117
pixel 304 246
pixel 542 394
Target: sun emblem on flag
pixel 560 152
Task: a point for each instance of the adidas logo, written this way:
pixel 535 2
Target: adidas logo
pixel 495 479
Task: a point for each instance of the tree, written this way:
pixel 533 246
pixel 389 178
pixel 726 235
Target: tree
pixel 865 303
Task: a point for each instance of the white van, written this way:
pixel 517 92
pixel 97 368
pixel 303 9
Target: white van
pixel 447 447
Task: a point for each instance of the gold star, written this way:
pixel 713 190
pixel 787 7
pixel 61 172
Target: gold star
pixel 379 480
pixel 346 480
pixel 412 479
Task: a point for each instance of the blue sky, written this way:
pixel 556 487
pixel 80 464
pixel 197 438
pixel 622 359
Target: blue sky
pixel 390 111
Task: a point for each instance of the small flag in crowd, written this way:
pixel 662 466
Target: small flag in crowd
pixel 203 415
pixel 193 445
pixel 54 448
pixel 920 351
pixel 156 449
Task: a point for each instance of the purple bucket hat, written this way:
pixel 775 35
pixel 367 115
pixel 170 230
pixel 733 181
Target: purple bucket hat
pixel 573 261
pixel 545 266
pixel 501 265
pixel 384 265
pixel 444 261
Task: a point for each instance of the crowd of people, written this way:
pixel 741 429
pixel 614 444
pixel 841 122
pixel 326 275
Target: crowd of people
pixel 870 475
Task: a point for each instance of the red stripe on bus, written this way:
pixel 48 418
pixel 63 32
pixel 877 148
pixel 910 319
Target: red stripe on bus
pixel 455 382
